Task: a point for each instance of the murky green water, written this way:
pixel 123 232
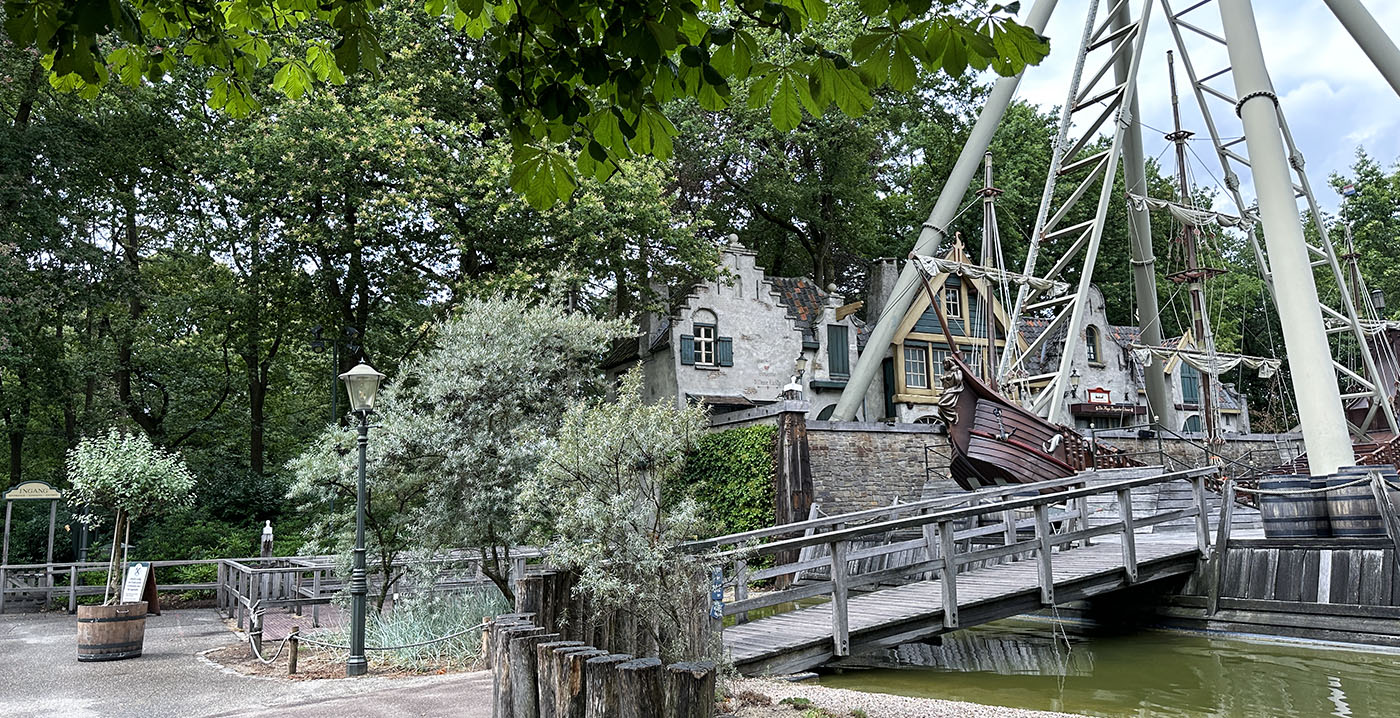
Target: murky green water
pixel 1144 675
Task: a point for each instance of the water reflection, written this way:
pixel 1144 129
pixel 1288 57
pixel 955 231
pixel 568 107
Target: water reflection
pixel 1145 674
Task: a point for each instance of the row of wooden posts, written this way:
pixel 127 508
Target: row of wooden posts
pixel 536 675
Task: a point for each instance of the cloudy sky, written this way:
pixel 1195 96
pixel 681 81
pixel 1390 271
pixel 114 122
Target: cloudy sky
pixel 1334 98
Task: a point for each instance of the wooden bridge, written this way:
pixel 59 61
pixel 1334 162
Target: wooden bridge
pixel 912 571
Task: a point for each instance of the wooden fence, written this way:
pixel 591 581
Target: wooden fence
pixel 538 675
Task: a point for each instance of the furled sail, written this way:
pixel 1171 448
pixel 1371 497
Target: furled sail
pixel 1191 215
pixel 1219 363
pixel 934 266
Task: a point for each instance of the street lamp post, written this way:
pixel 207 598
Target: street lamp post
pixel 361 383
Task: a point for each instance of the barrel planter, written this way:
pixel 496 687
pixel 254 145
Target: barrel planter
pixel 1293 515
pixel 1353 511
pixel 111 633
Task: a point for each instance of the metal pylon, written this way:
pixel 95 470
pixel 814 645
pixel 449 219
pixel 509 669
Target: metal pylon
pixel 1341 318
pixel 1104 42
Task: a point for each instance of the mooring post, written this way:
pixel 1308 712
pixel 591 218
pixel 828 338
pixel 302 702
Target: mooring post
pixel 293 640
pixel 1222 544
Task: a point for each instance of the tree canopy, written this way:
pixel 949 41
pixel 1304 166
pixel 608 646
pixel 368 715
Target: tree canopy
pixel 581 86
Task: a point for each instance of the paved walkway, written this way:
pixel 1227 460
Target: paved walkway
pixel 40 676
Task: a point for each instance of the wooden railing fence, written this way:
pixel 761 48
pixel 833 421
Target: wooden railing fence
pixel 929 538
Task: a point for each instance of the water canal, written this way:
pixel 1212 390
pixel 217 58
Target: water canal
pixel 1145 674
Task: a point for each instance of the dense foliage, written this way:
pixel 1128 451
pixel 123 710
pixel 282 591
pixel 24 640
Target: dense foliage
pixel 731 474
pixel 600 501
pixel 581 86
pixel 457 431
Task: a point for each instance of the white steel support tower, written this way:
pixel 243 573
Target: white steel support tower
pixel 1340 314
pixel 1100 100
pixel 1070 234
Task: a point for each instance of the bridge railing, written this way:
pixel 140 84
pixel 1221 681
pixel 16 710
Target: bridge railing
pixel 992 526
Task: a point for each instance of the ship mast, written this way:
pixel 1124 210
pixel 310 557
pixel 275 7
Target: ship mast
pixel 1194 275
pixel 991 255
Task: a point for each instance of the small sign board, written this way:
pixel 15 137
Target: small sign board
pixel 33 490
pixel 140 585
pixel 1100 396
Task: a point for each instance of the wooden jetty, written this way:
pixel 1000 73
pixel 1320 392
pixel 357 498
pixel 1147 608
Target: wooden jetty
pixel 912 571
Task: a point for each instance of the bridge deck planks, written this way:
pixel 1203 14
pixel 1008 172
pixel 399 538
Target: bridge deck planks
pixel 773 636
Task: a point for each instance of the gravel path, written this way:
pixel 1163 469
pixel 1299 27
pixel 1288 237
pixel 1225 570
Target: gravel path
pixel 840 702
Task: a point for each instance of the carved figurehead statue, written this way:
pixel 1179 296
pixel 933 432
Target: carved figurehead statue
pixel 952 386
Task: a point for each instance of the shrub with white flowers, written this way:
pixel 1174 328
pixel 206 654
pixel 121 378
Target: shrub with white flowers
pixel 124 476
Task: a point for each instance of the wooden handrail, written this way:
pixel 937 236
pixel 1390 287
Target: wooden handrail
pixel 964 513
pixel 894 509
pixel 941 539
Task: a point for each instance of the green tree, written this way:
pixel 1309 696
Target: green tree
pixel 599 501
pixel 580 86
pixel 461 427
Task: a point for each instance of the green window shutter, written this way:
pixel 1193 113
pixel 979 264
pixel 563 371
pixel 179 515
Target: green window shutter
pixel 837 350
pixel 687 349
pixel 724 351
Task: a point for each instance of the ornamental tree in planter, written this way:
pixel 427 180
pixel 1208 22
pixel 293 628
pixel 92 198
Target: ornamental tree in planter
pixel 125 477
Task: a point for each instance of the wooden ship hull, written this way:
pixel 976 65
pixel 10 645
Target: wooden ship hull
pixel 996 442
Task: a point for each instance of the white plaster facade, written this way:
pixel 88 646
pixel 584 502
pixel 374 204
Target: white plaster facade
pixel 767 323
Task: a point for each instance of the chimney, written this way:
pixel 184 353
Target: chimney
pixel 879 286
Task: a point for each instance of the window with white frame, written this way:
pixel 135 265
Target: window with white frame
pixel 916 366
pixel 952 302
pixel 705 344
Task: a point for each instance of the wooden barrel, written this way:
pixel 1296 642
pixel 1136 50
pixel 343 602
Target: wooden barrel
pixel 1293 515
pixel 1353 511
pixel 111 633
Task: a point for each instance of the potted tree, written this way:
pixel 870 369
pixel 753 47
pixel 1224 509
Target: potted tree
pixel 123 477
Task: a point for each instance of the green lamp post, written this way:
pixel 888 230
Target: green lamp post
pixel 361 383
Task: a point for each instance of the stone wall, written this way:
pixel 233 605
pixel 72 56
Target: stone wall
pixel 857 465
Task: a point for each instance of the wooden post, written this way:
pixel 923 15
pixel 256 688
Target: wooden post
pixel 5 556
pixel 1389 519
pixel 604 699
pixel 72 588
pixel 1008 518
pixel 48 557
pixel 690 690
pixel 547 674
pixel 1222 544
pixel 292 657
pixel 948 574
pixel 571 690
pixel 316 592
pixel 639 684
pixel 1198 496
pixel 741 588
pixel 1083 505
pixel 219 599
pixel 840 624
pixel 524 671
pixel 1125 514
pixel 503 631
pixel 1043 569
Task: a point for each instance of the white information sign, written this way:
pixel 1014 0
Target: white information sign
pixel 135 583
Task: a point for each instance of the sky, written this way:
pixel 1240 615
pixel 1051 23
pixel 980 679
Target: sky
pixel 1334 98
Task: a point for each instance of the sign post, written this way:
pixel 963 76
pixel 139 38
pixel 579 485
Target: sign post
pixel 140 585
pixel 29 491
